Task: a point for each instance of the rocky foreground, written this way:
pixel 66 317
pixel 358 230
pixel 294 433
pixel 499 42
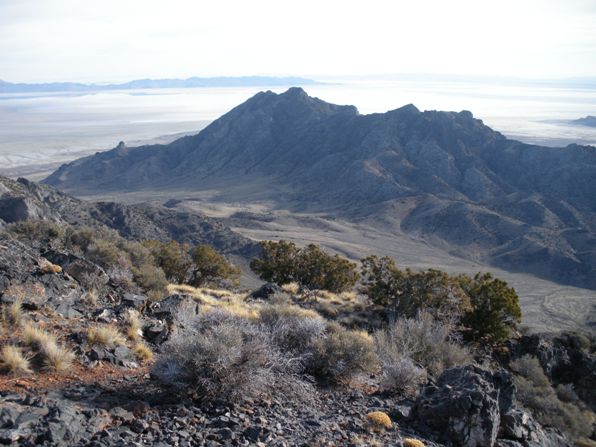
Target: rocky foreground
pixel 92 352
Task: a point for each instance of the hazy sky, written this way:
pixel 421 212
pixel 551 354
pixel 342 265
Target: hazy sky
pixel 114 40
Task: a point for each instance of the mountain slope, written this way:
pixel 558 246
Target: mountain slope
pixel 473 191
pixel 23 200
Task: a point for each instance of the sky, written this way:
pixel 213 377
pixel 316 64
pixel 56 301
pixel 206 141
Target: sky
pixel 119 40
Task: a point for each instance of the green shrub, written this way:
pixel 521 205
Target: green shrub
pixel 36 231
pixel 283 262
pixel 407 292
pixel 341 354
pixel 494 309
pixel 210 267
pixel 151 278
pixel 173 258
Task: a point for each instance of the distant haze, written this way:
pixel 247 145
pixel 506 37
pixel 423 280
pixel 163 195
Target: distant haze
pixel 120 40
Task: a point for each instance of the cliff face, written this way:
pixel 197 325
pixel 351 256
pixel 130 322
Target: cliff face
pixel 518 206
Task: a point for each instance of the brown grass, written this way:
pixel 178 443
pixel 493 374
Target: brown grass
pixel 411 442
pixel 143 352
pixel 133 322
pixel 378 420
pixel 293 288
pixel 56 358
pixel 13 361
pixel 36 337
pixel 105 335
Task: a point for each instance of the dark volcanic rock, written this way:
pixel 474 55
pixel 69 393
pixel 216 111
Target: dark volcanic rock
pixel 463 407
pixel 468 188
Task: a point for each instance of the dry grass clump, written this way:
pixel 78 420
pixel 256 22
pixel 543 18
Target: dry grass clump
pixel 217 299
pixel 91 296
pixel 46 266
pixel 273 313
pixel 143 352
pixel 379 420
pixel 36 337
pixel 411 442
pixel 13 361
pixel 293 288
pixel 105 335
pixel 133 323
pixel 56 358
pixel 12 314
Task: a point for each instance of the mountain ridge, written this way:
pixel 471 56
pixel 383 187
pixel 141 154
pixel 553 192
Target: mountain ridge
pixel 192 82
pixel 519 206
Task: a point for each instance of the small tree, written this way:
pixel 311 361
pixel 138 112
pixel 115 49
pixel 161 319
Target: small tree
pixel 209 266
pixel 494 309
pixel 277 262
pixel 282 262
pixel 407 292
pixel 172 257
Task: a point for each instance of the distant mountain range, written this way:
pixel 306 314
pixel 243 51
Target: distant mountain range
pixel 444 177
pixel 586 121
pixel 194 82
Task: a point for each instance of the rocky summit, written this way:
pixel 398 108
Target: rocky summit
pixel 444 177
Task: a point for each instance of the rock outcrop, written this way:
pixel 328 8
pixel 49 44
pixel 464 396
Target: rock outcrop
pixel 472 407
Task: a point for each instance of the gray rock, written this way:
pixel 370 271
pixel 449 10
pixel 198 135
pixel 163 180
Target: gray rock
pixel 133 301
pixel 463 408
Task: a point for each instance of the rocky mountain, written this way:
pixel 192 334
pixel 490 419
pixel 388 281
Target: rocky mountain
pixel 442 176
pixel 24 200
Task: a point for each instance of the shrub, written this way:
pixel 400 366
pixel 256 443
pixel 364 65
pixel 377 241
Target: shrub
pixel 425 340
pixel 402 376
pixel 210 267
pixel 230 359
pixel 13 361
pixel 407 292
pixel 105 335
pixel 378 420
pixel 173 258
pixel 494 310
pixel 341 354
pixel 151 278
pixel 310 267
pixel 536 393
pixel 37 231
pixel 293 328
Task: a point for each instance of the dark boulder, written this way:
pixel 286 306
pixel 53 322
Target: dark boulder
pixel 463 408
pixel 266 291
